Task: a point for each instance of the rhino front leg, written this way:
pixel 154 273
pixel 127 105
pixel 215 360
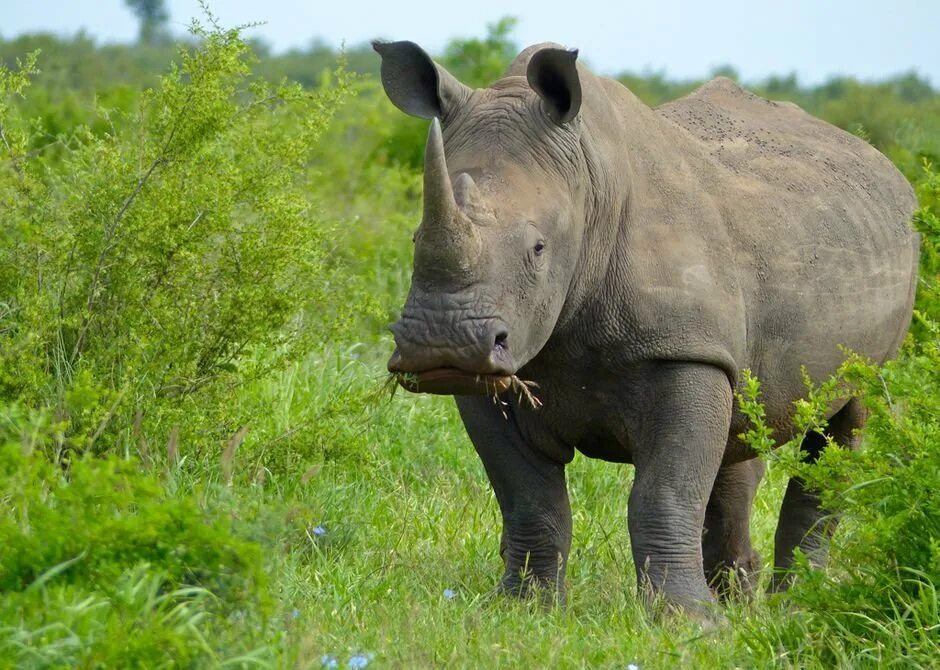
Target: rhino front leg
pixel 679 437
pixel 533 499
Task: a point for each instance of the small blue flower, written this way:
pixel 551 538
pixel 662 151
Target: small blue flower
pixel 633 666
pixel 319 531
pixel 359 661
pixel 450 594
pixel 295 614
pixel 328 661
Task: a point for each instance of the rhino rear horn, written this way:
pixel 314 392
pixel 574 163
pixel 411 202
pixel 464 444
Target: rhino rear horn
pixel 416 84
pixel 553 74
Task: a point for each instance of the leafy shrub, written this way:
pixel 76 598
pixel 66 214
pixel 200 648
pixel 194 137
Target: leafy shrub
pixel 105 566
pixel 106 516
pixel 880 591
pixel 164 264
pixel 884 574
pixel 927 222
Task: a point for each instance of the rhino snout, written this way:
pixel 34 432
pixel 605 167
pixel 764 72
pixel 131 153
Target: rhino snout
pixel 474 345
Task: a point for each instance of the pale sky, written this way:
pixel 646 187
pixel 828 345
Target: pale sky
pixel 685 38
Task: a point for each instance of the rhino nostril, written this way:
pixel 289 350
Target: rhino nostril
pixel 500 342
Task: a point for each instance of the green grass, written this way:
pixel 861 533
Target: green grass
pixel 407 514
pixel 414 516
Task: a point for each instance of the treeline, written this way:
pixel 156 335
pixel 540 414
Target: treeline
pixel 899 115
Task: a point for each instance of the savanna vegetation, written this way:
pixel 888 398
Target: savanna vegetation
pixel 200 245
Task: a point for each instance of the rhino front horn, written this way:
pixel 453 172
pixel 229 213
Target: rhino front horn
pixel 439 204
pixel 447 242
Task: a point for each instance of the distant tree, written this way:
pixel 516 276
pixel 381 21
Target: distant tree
pixel 654 88
pixel 834 88
pixel 911 87
pixel 153 16
pixel 478 62
pixel 782 85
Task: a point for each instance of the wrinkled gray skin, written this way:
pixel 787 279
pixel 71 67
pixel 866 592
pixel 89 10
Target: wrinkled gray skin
pixel 632 261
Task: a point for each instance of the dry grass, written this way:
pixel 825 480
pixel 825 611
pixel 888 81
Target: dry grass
pixel 523 389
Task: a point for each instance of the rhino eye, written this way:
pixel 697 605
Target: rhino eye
pixel 539 248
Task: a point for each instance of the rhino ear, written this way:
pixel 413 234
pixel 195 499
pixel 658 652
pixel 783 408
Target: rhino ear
pixel 417 85
pixel 553 74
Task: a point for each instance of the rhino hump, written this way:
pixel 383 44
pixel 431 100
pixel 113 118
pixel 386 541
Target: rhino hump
pixel 780 145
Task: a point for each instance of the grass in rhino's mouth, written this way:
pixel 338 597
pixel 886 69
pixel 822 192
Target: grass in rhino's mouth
pixel 523 389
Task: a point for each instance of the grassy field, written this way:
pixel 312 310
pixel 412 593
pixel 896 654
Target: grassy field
pixel 387 553
pixel 199 466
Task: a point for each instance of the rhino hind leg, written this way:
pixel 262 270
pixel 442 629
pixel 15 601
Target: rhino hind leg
pixel 731 565
pixel 804 523
pixel 533 498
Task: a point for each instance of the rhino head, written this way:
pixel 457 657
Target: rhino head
pixel 500 235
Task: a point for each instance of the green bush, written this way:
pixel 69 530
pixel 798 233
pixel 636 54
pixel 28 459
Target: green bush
pixel 878 597
pixel 106 516
pixel 154 269
pixel 882 582
pixel 106 567
pixel 927 222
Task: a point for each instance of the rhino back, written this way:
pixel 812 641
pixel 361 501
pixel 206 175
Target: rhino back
pixel 781 147
pixel 819 227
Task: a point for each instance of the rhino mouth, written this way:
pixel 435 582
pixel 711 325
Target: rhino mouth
pixel 453 381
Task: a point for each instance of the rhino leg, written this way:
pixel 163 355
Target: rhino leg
pixel 730 561
pixel 533 499
pixel 804 523
pixel 678 439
